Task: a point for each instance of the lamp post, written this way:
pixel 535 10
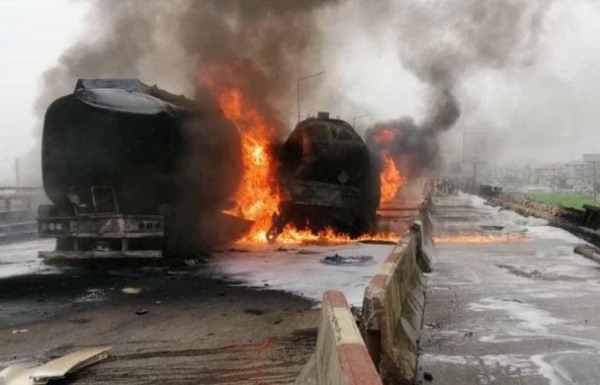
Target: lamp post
pixel 594 159
pixel 298 88
pixel 358 117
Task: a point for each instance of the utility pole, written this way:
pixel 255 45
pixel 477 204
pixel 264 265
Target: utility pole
pixel 528 177
pixel 475 150
pixel 17 173
pixel 594 180
pixel 298 89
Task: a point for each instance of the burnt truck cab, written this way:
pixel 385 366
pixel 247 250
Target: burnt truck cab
pixel 328 178
pixel 109 166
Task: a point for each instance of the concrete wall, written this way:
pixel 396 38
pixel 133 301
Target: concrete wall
pixel 557 216
pixel 393 312
pixel 391 321
pixel 341 357
pixel 539 209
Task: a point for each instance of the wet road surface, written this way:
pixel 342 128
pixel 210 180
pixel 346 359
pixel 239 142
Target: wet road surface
pixel 509 301
pixel 244 315
pixel 183 327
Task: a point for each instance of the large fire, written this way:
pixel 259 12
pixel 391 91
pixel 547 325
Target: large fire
pixel 258 196
pixel 391 179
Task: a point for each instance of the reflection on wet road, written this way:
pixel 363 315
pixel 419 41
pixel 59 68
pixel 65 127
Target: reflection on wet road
pixel 509 301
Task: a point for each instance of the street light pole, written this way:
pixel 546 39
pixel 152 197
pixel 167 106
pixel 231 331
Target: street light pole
pixel 298 88
pixel 17 173
pixel 594 181
pixel 358 117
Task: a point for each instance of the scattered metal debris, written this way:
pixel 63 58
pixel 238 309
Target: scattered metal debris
pixel 79 320
pixel 590 252
pixel 307 252
pixel 491 227
pixel 254 311
pixel 338 260
pixel 237 250
pixel 284 249
pixel 427 376
pixel 131 290
pixel 378 242
pixel 19 374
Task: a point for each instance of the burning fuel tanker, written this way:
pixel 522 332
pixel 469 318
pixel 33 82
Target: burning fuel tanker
pixel 330 180
pixel 131 170
pixel 134 171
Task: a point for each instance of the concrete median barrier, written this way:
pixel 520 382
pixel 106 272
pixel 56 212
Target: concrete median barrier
pixel 341 357
pixel 393 310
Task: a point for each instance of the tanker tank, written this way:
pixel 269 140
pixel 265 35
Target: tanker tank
pixel 130 169
pixel 329 179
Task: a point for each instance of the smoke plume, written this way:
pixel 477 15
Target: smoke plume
pixel 171 42
pixel 442 43
pixel 257 46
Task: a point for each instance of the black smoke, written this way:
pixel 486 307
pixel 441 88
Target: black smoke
pixel 258 46
pixel 442 43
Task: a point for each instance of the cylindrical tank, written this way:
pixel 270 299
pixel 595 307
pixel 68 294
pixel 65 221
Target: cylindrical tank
pixel 327 151
pixel 87 145
pixel 329 177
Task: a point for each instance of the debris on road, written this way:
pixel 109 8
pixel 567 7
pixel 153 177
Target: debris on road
pixel 20 375
pixel 79 320
pixel 238 250
pixel 141 312
pixel 307 252
pixel 491 227
pixel 338 260
pixel 254 311
pixel 20 331
pixel 131 290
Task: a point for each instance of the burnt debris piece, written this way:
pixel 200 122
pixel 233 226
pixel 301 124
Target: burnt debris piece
pixel 355 260
pixel 59 368
pixel 329 179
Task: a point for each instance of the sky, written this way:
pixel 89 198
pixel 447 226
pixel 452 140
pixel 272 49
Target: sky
pixel 33 35
pixel 544 112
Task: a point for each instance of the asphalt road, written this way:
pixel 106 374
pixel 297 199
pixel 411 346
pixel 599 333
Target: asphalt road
pixel 229 319
pixel 183 327
pixel 515 305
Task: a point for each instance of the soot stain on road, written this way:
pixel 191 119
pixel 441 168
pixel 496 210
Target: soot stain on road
pixel 193 329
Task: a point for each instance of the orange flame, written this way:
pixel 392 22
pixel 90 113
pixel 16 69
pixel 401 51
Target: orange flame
pixel 391 179
pixel 258 196
pixel 330 237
